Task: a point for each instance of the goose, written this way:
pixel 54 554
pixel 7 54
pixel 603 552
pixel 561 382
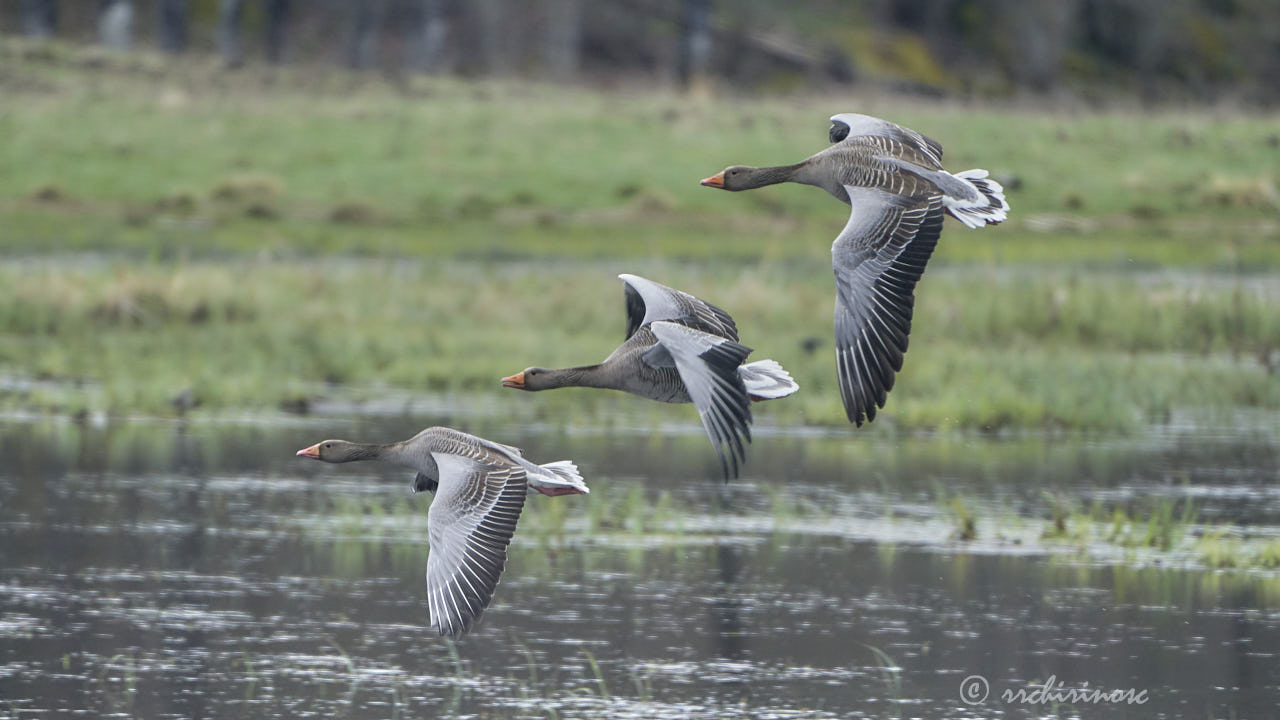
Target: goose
pixel 897 191
pixel 479 487
pixel 679 349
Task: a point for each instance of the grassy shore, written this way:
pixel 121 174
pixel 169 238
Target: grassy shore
pixel 1047 350
pixel 244 241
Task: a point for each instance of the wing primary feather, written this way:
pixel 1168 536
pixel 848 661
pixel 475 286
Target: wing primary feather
pixel 878 259
pixel 470 521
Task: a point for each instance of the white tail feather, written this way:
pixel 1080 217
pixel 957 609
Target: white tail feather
pixel 765 379
pixel 560 474
pixel 991 206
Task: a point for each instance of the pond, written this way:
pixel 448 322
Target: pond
pixel 166 569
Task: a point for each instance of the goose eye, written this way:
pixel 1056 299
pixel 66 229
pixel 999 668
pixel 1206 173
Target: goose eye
pixel 838 132
pixel 328 445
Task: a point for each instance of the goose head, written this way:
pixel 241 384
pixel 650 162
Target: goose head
pixel 534 378
pixel 734 177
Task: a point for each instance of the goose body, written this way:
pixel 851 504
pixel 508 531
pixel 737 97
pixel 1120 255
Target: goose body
pixel 898 192
pixel 480 488
pixel 679 349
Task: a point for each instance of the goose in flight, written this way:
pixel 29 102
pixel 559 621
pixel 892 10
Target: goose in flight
pixel 479 488
pixel 679 349
pixel 898 192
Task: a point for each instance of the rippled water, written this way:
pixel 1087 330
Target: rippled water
pixel 162 570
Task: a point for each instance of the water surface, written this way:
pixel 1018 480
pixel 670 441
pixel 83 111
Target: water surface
pixel 160 569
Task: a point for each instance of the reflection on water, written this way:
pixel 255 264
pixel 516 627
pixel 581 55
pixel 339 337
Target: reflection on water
pixel 157 569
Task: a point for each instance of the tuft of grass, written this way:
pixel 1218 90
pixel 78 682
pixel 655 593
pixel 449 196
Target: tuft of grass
pixel 1218 549
pixel 964 519
pixel 49 193
pixel 1257 192
pixel 636 512
pixel 1068 522
pixel 1267 556
pixel 261 210
pixel 247 187
pixel 179 202
pixel 891 672
pixel 1167 525
pixel 596 673
pixel 354 212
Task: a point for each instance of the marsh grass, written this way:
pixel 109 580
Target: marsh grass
pixel 596 673
pixel 963 518
pixel 1218 548
pixel 891 673
pixel 634 514
pixel 639 522
pixel 261 245
pixel 1058 351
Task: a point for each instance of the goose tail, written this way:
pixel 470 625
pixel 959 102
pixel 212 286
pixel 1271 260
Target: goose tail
pixel 767 380
pixel 989 208
pixel 559 478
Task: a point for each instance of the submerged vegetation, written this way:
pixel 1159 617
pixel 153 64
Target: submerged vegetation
pixel 1161 532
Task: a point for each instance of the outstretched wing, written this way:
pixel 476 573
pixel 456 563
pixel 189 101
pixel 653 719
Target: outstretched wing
pixel 708 366
pixel 648 301
pixel 635 309
pixel 865 125
pixel 470 524
pixel 878 258
pixel 446 439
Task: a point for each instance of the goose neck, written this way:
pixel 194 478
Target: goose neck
pixel 594 376
pixel 774 174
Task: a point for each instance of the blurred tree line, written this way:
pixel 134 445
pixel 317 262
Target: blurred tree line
pixel 1151 49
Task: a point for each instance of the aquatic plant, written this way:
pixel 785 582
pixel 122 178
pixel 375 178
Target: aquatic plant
pixel 1217 548
pixel 891 673
pixel 963 517
pixel 595 671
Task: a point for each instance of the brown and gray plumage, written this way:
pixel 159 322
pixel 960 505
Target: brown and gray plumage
pixel 679 349
pixel 897 191
pixel 479 487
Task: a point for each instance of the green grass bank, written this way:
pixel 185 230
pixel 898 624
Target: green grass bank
pixel 255 241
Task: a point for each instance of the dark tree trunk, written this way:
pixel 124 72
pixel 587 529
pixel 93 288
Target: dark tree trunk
pixel 277 20
pixel 695 43
pixel 173 25
pixel 39 18
pixel 366 24
pixel 230 13
pixel 434 32
pixel 493 36
pixel 563 38
pixel 115 24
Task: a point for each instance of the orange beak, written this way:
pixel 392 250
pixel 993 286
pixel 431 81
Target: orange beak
pixel 715 181
pixel 311 452
pixel 514 381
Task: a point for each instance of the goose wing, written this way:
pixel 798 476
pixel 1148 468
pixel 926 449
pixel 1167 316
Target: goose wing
pixel 878 258
pixel 648 301
pixel 864 125
pixel 470 524
pixel 708 366
pixel 456 440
